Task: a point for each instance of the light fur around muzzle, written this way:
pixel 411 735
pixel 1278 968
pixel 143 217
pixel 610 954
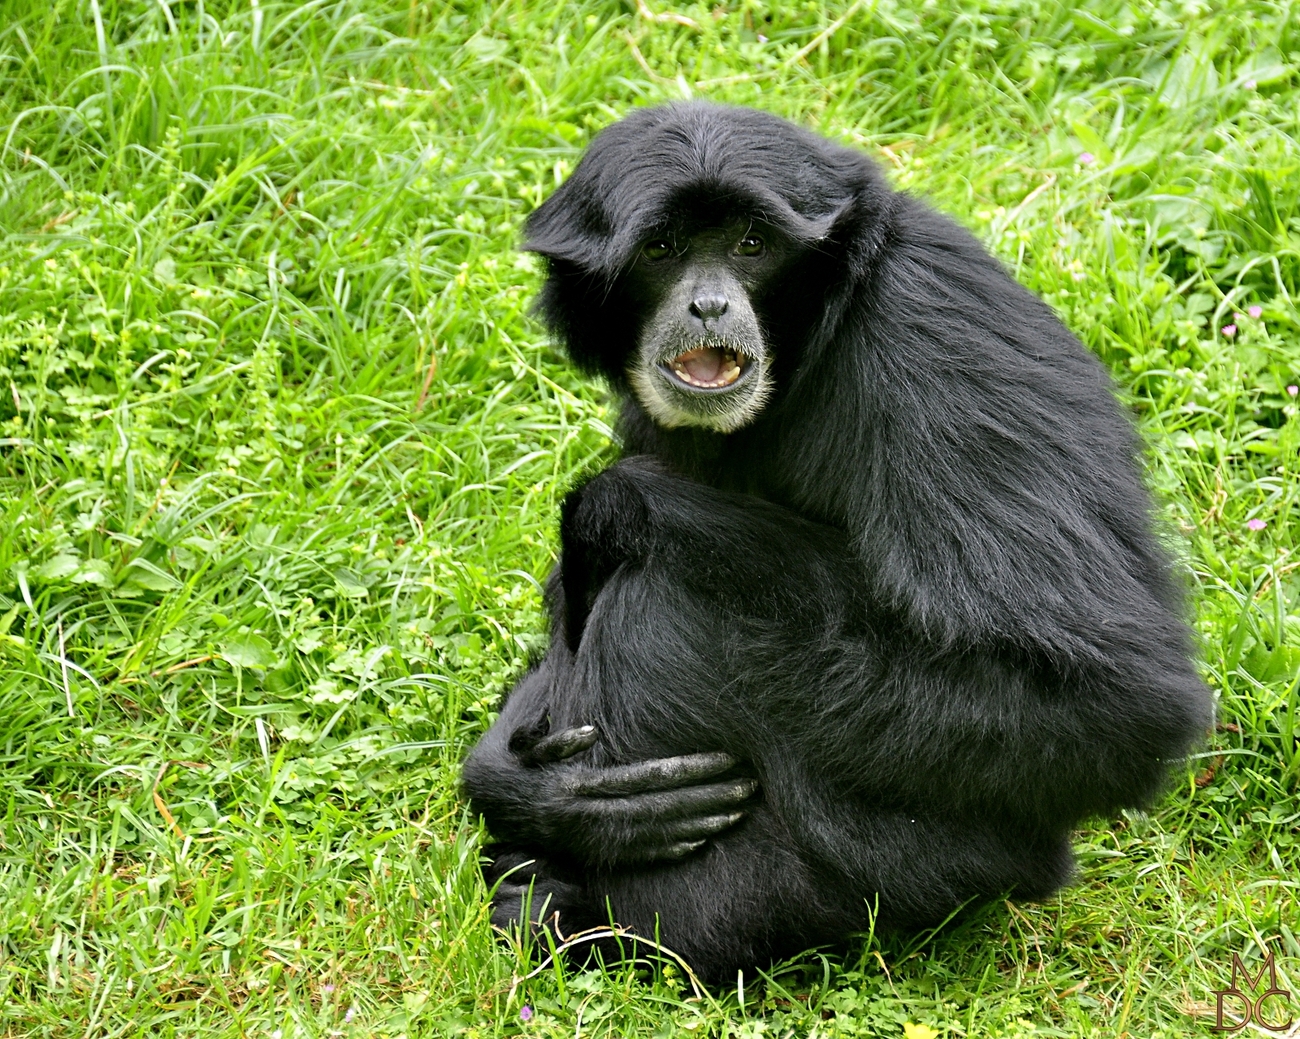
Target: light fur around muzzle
pixel 673 403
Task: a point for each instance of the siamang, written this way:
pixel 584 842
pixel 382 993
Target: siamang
pixel 871 613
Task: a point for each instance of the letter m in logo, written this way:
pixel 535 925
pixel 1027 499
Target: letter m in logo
pixel 1240 968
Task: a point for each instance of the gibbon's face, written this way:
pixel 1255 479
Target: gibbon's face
pixel 702 357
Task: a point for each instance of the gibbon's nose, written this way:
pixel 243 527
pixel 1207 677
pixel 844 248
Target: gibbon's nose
pixel 709 306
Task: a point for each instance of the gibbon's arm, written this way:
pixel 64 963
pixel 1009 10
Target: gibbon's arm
pixel 729 592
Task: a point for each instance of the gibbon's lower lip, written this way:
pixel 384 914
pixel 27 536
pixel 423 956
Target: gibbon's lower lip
pixel 708 367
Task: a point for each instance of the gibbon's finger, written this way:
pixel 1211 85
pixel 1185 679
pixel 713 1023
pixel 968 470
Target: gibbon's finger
pixel 647 776
pixel 561 745
pixel 698 827
pixel 654 839
pixel 652 811
pixel 674 852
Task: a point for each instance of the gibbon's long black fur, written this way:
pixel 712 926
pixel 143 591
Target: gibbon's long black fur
pixel 871 614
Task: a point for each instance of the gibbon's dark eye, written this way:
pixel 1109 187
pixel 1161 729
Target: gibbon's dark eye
pixel 750 245
pixel 657 249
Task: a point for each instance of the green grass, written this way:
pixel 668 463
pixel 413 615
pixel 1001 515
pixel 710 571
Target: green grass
pixel 280 452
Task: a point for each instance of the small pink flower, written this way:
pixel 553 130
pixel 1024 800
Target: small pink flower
pixel 1255 312
pixel 525 1013
pixel 1256 524
pixel 347 1018
pixel 1086 158
pixel 1292 390
pixel 1229 330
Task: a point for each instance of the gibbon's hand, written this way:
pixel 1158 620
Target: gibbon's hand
pixel 651 811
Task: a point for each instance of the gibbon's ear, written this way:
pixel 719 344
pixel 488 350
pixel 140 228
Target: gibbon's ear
pixel 571 226
pixel 861 227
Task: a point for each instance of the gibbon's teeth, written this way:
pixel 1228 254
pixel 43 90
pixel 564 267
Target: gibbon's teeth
pixel 708 367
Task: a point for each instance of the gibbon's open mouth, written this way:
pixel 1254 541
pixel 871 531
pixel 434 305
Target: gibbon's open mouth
pixel 708 367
